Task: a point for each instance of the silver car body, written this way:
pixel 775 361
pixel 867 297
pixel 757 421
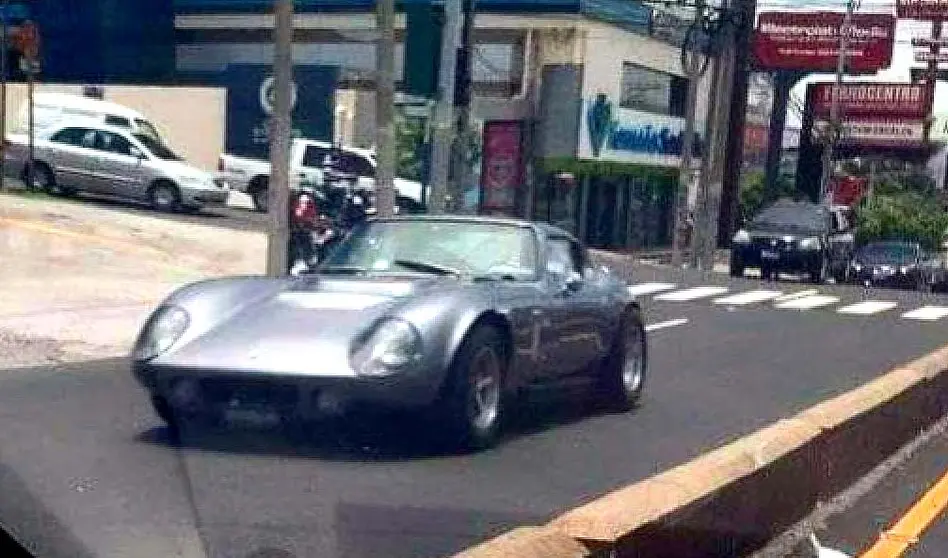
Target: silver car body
pixel 111 161
pixel 301 332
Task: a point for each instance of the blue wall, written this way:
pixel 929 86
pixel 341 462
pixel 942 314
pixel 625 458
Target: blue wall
pixel 106 41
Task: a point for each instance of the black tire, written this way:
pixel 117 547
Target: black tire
pixel 259 193
pixel 767 273
pixel 40 177
pixel 620 387
pixel 473 421
pixel 818 275
pixel 736 267
pixel 164 196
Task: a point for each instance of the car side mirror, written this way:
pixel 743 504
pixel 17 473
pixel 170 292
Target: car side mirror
pixel 574 281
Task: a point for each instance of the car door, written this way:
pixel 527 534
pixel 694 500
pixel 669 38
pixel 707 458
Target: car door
pixel 120 165
pixel 577 339
pixel 71 156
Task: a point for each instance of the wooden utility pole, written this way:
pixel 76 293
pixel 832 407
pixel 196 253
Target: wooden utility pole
pixel 4 37
pixel 280 132
pixel 712 175
pixel 834 130
pixel 693 67
pixel 385 107
pixel 443 127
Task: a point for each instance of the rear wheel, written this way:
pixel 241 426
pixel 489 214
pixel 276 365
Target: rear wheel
pixel 736 267
pixel 622 379
pixel 164 196
pixel 259 194
pixel 818 275
pixel 473 403
pixel 40 177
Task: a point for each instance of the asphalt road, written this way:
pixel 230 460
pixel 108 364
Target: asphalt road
pixel 94 473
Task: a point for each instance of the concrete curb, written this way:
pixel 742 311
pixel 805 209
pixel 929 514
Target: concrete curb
pixel 734 499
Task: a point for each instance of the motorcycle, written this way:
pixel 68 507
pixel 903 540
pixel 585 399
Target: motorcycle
pixel 316 226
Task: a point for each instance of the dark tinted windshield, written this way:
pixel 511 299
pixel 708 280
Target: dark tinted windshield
pixel 887 252
pixel 157 148
pixel 478 249
pixel 792 216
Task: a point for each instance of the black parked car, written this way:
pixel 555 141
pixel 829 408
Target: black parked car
pixel 794 237
pixel 897 264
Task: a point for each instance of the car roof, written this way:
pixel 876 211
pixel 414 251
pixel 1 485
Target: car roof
pixel 90 123
pixel 67 100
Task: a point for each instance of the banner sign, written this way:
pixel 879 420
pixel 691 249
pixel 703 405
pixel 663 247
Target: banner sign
pixel 502 170
pixel 928 56
pixel 810 41
pixel 872 99
pixel 849 190
pixel 250 105
pixel 927 10
pixel 877 132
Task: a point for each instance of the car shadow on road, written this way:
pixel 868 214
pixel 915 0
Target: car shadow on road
pixel 376 436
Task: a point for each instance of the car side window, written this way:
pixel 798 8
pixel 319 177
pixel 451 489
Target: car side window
pixel 350 163
pixel 119 121
pixel 561 257
pixel 314 156
pixel 113 143
pixel 70 136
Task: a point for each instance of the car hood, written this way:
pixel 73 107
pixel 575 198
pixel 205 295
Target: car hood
pixel 305 329
pixel 183 169
pixel 773 231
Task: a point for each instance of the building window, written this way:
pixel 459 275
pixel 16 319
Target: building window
pixel 652 91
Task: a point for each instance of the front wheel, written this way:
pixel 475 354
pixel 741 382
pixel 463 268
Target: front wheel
pixel 473 404
pixel 623 376
pixel 818 275
pixel 164 197
pixel 736 267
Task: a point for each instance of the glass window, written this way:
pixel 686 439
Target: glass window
pixel 350 163
pixel 113 143
pixel 119 121
pixel 146 128
pixel 652 91
pixel 314 156
pixel 562 256
pixel 478 249
pixel 70 136
pixel 157 148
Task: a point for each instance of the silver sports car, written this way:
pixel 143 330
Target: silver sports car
pixel 425 312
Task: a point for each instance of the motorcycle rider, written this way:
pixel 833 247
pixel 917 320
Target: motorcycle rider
pixel 304 214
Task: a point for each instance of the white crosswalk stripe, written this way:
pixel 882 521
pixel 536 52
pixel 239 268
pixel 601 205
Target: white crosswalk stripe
pixel 643 289
pixel 807 302
pixel 749 297
pixel 927 313
pixel 691 294
pixel 867 307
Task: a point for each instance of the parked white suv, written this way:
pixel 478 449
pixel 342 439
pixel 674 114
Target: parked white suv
pixel 309 162
pixel 83 156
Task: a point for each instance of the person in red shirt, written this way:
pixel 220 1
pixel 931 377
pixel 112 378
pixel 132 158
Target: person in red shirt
pixel 304 213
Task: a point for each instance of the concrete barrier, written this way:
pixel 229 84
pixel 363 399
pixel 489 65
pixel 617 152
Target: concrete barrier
pixel 733 500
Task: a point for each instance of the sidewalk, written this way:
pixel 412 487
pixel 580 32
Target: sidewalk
pixel 79 280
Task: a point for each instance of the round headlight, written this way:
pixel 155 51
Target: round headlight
pixel 391 347
pixel 164 327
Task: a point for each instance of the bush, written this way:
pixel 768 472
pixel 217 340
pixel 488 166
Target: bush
pixel 902 215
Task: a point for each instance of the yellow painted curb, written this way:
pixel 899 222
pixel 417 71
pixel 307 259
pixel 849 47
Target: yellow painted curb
pixel 620 513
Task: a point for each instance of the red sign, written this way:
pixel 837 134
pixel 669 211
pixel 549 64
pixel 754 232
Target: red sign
pixel 849 190
pixel 810 41
pixel 872 99
pixel 502 171
pixel 929 10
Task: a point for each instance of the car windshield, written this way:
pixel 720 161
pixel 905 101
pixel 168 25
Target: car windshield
pixel 887 252
pixel 792 216
pixel 157 148
pixel 478 249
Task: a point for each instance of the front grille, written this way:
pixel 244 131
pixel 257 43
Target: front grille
pixel 228 390
pixel 771 243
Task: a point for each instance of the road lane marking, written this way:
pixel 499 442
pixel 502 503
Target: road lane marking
pixel 807 302
pixel 749 297
pixel 797 294
pixel 927 313
pixel 643 289
pixel 907 530
pixel 867 307
pixel 667 324
pixel 691 294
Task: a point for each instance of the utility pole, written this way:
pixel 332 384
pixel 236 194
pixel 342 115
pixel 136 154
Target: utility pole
pixel 834 130
pixel 280 131
pixel 461 168
pixel 385 107
pixel 443 127
pixel 692 66
pixel 4 37
pixel 711 184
